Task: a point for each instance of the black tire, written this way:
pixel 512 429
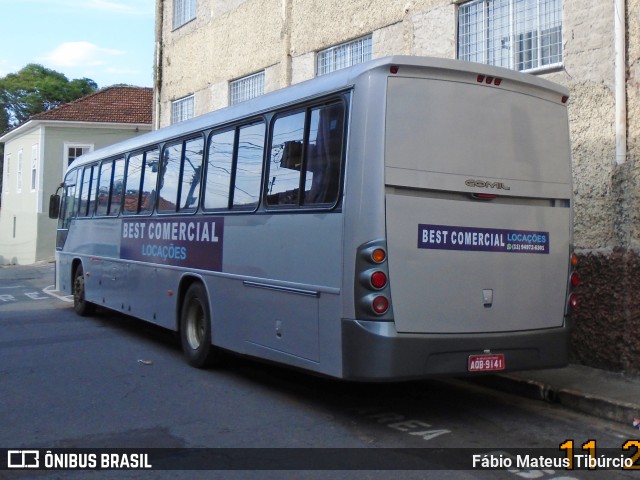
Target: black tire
pixel 195 329
pixel 80 305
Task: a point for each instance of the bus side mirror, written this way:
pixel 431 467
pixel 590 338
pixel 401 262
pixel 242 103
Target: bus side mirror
pixel 54 206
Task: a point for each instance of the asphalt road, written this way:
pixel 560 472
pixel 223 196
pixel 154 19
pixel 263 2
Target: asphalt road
pixel 110 381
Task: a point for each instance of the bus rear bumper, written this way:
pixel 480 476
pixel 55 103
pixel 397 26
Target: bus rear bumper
pixel 375 351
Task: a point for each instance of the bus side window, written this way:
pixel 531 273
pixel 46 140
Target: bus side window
pixel 191 174
pixel 248 166
pixel 169 177
pixel 93 192
pixel 285 160
pixel 115 200
pixel 104 188
pixel 148 194
pixel 324 154
pixel 68 201
pixel 219 166
pixel 85 186
pixel 132 185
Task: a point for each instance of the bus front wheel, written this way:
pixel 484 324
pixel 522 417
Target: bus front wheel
pixel 80 304
pixel 195 328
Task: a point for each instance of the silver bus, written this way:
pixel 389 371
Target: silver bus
pixel 403 218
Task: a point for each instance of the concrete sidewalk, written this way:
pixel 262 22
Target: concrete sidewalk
pixel 613 396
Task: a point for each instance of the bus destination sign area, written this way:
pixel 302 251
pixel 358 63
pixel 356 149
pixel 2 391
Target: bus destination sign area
pixel 447 237
pixel 193 242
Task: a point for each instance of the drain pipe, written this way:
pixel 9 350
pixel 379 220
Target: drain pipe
pixel 157 67
pixel 620 81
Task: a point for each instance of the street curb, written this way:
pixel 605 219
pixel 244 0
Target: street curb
pixel 606 408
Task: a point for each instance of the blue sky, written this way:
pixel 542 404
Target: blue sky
pixel 108 41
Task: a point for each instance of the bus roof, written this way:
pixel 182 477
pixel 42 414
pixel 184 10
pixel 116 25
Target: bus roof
pixel 326 84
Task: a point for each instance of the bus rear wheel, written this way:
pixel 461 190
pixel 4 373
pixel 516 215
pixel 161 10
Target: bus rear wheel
pixel 80 304
pixel 195 329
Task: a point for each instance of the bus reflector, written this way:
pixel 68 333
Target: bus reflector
pixel 484 196
pixel 380 305
pixel 394 69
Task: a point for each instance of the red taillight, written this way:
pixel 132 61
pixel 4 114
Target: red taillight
pixel 573 301
pixel 394 69
pixel 380 305
pixel 489 80
pixel 575 279
pixel 378 280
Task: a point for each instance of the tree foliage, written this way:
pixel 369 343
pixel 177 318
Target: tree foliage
pixel 36 89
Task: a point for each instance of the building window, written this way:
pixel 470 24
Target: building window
pixel 182 109
pixel 344 55
pixel 7 174
pixel 246 88
pixel 34 167
pixel 522 35
pixel 183 11
pixel 74 151
pixel 19 173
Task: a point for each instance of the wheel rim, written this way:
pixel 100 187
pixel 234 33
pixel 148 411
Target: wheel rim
pixel 195 325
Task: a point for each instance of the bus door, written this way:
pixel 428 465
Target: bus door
pixel 478 182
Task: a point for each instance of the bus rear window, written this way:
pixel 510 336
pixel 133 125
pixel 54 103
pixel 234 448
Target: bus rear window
pixel 306 153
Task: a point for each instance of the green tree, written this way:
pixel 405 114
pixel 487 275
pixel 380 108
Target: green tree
pixel 36 89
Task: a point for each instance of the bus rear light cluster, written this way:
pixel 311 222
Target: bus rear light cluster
pixel 371 291
pixel 573 301
pixel 489 80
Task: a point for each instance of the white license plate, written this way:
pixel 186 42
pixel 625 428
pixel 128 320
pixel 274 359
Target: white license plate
pixel 486 363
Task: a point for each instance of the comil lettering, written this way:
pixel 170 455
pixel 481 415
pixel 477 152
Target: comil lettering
pixel 485 184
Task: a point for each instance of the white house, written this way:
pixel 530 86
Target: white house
pixel 37 152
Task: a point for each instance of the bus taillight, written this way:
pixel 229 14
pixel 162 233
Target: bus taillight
pixel 378 279
pixel 380 305
pixel 573 301
pixel 574 280
pixel 378 255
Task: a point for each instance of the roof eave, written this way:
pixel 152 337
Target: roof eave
pixel 32 124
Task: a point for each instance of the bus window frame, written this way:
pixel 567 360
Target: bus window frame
pixel 182 141
pixel 234 127
pixel 343 98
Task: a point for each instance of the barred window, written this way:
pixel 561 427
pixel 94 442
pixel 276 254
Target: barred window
pixel 246 88
pixel 182 109
pixel 518 34
pixel 183 12
pixel 344 55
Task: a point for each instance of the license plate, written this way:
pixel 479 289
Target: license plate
pixel 486 363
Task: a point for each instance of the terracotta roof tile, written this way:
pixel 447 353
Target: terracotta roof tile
pixel 117 104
